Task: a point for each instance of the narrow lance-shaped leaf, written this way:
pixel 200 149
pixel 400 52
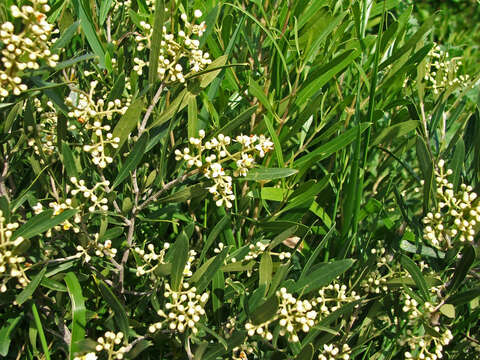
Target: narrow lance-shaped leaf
pixel 120 314
pixel 416 275
pixel 132 160
pixel 180 257
pixel 31 287
pixel 79 320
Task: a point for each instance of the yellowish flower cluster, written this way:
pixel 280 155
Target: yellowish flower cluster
pixel 98 201
pixel 24 49
pixel 108 342
pixel 97 148
pixel 85 108
pixel 46 130
pixel 99 249
pixel 184 309
pixel 332 297
pixel 376 282
pixel 293 315
pixel 241 352
pixel 442 71
pixel 174 50
pixel 89 356
pixel 211 155
pixel 456 215
pixel 10 263
pixel 333 352
pixel 152 259
pixel 254 251
pixel 423 344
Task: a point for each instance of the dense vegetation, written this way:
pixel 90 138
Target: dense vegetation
pixel 239 180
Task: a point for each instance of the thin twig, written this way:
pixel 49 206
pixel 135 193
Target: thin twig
pixel 167 187
pixel 149 111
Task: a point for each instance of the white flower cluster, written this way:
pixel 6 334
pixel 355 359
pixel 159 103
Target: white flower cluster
pixel 423 345
pixel 89 356
pixel 174 49
pixel 241 352
pixel 97 148
pixel 293 315
pixel 24 50
pixel 152 259
pixel 98 248
pixel 332 352
pixel 376 282
pixel 184 309
pixel 456 215
pixel 58 208
pixel 98 201
pixel 332 297
pixel 85 108
pixel 107 342
pixel 214 152
pixel 46 130
pixel 10 264
pixel 254 251
pixel 442 71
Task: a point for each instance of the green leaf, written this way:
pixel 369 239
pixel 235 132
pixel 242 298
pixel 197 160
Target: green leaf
pixel 132 160
pixel 464 297
pixel 266 174
pixel 12 116
pixel 157 37
pixel 410 44
pixel 127 122
pixel 229 127
pixel 104 9
pixel 322 276
pixel 192 118
pixel 316 252
pixel 42 222
pixel 64 40
pixel 69 161
pixel 139 347
pixel 177 105
pixel 217 229
pixel 395 131
pixel 41 334
pixel 79 320
pixel 121 317
pixel 187 193
pixel 425 163
pixel 325 74
pixel 5 333
pixel 86 22
pixel 421 249
pixel 180 257
pixel 70 62
pixel 278 278
pixel 53 284
pixel 448 310
pixel 275 140
pixel 265 271
pixel 457 163
pixel 325 150
pixel 306 353
pixel 467 258
pixel 416 275
pixel 30 288
pixel 282 237
pixel 265 311
pixel 212 71
pixel 213 267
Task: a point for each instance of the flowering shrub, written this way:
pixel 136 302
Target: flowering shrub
pixel 236 180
